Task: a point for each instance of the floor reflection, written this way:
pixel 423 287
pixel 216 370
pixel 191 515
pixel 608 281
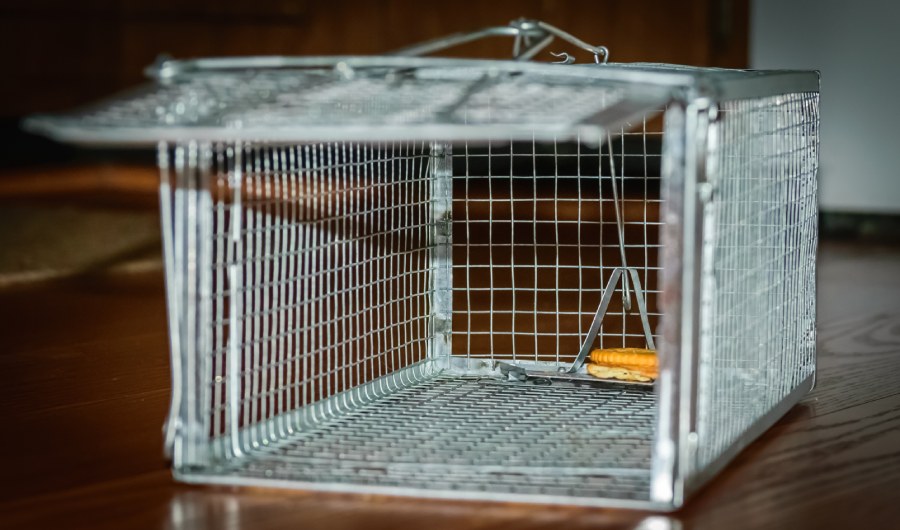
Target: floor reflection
pixel 216 507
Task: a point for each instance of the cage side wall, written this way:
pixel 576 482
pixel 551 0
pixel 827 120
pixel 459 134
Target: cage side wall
pixel 301 285
pixel 757 307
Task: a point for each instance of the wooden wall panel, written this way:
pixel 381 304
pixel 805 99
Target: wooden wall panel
pixel 59 53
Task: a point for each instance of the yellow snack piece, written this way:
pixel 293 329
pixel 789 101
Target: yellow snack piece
pixel 615 372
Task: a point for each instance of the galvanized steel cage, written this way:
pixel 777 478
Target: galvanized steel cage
pixel 354 245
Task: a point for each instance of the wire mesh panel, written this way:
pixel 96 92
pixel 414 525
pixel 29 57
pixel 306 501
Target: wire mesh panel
pixel 214 101
pixel 477 438
pixel 536 238
pixel 758 316
pixel 320 278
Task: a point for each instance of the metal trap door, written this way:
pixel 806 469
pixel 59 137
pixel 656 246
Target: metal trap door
pixel 368 99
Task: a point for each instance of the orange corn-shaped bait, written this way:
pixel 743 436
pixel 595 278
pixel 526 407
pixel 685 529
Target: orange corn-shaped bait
pixel 630 357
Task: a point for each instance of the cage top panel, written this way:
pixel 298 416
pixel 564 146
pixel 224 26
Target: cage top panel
pixel 280 99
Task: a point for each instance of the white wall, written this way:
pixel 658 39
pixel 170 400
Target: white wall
pixel 856 46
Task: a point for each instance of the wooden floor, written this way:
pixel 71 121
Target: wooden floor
pixel 84 389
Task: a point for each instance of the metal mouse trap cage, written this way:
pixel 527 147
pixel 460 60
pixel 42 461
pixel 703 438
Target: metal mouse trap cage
pixel 387 274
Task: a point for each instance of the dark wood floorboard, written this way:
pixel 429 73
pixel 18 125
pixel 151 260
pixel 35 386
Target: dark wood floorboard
pixel 85 387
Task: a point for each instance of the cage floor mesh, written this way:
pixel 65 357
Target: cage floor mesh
pixel 468 434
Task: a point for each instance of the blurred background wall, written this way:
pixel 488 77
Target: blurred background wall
pixel 855 45
pixel 61 52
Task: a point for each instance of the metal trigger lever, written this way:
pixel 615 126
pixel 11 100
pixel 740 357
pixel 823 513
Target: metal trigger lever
pixel 620 225
pixel 619 272
pixel 627 274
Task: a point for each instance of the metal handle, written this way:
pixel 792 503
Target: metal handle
pixel 534 34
